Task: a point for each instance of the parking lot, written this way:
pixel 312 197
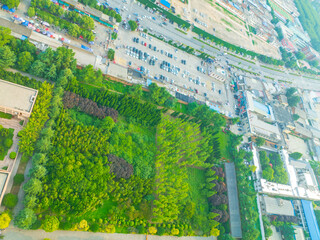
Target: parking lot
pixel 160 61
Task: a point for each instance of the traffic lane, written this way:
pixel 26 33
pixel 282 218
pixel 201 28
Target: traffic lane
pixel 174 35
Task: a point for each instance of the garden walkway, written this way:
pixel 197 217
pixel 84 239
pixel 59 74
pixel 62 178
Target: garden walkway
pixel 12 233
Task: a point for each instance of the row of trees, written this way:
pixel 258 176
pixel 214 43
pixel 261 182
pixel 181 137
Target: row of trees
pixel 73 29
pixel 180 145
pixel 40 114
pixel 247 195
pixel 71 100
pixel 106 10
pixel 83 21
pixel 127 106
pixel 27 218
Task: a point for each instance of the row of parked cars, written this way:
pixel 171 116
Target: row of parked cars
pixel 201 69
pixel 169 68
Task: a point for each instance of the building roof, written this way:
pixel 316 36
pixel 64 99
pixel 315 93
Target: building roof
pixel 259 126
pixel 17 97
pixel 299 233
pixel 311 220
pixel 282 114
pixel 165 3
pixel 185 98
pixel 278 206
pixel 303 131
pixel 257 107
pixel 233 199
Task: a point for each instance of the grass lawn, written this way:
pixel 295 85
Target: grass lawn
pixel 84 118
pixel 224 140
pixel 100 212
pixel 196 180
pixel 5 115
pixel 2 140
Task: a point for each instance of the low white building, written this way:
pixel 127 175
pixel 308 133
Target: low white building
pixel 16 100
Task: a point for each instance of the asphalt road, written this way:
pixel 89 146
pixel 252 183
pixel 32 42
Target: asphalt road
pixel 170 33
pixel 13 233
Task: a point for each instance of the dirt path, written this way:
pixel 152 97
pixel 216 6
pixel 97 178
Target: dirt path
pixel 17 234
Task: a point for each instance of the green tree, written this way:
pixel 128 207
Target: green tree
pixel 290 92
pixel 51 73
pixel 38 171
pixel 13 155
pixel 152 230
pixel 25 218
pixel 87 22
pixel 267 173
pixel 175 231
pixel 260 141
pixel 136 91
pixel 296 155
pixel 18 179
pixel 33 186
pixel 111 53
pixel 50 223
pixel 118 18
pixel 74 30
pixel 11 3
pixel 5 220
pixel 10 200
pixel 5 36
pixel 7 57
pixel 38 68
pixel 300 56
pixel 30 201
pixel 314 63
pixel 293 101
pixel 133 25
pixel 295 117
pixel 24 61
pixel 31 12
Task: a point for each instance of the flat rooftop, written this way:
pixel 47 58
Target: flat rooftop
pixel 278 206
pixel 17 97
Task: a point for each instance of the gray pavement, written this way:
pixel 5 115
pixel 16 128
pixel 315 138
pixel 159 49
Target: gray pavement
pixel 234 211
pixel 13 233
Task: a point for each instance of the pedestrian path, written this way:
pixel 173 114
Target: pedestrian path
pixel 13 233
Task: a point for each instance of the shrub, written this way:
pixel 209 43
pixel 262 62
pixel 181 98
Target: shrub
pixel 8 143
pixel 18 179
pixel 10 200
pixel 51 223
pixel 5 115
pixel 13 155
pixel 296 155
pixel 94 227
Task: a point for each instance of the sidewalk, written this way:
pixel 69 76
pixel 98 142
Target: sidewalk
pixel 17 234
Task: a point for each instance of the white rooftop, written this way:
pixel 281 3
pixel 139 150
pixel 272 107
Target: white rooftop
pixel 259 126
pixel 17 97
pixel 278 206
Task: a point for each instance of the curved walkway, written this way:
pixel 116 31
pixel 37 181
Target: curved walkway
pixel 13 233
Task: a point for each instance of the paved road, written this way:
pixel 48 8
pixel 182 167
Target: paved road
pixel 170 33
pixel 18 234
